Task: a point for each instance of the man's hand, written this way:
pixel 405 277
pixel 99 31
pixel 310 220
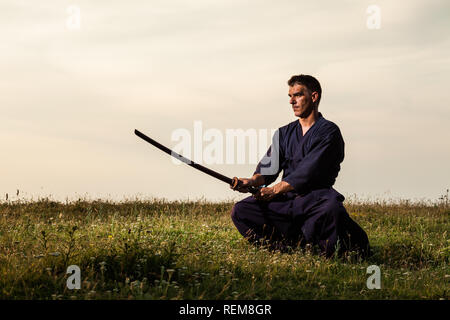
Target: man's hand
pixel 243 185
pixel 265 194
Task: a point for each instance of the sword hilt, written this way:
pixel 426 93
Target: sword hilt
pixel 235 183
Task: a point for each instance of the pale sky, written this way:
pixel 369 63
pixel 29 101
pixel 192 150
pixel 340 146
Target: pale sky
pixel 71 98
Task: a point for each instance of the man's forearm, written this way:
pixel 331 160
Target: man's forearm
pixel 258 180
pixel 282 187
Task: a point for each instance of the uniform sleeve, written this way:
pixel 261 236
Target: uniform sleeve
pixel 325 153
pixel 270 165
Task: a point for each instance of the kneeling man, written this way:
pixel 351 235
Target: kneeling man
pixel 303 208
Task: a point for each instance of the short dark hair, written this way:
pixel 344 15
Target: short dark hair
pixel 308 81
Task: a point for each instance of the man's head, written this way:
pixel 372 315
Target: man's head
pixel 304 93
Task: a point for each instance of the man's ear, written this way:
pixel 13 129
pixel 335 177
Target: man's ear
pixel 315 96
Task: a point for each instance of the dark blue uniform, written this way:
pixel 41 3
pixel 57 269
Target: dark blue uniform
pixel 313 212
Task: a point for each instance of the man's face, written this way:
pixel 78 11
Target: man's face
pixel 302 100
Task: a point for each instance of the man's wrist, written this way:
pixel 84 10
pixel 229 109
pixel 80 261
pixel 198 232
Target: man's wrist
pixel 282 187
pixel 257 180
pixel 277 189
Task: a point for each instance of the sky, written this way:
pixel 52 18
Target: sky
pixel 77 77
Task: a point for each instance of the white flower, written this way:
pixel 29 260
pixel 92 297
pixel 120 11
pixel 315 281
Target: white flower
pixel 170 271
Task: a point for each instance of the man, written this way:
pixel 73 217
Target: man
pixel 303 208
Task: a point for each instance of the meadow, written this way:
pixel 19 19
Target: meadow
pixel 156 249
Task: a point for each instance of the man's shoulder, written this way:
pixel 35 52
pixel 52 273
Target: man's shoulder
pixel 325 129
pixel 327 126
pixel 323 126
pixel 289 126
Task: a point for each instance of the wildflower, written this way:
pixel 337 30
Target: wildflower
pixel 110 237
pixel 135 284
pixel 170 271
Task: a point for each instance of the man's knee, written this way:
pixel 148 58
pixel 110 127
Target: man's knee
pixel 236 211
pixel 244 209
pixel 334 209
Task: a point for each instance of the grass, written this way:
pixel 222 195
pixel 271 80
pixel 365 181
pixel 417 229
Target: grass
pixel 191 250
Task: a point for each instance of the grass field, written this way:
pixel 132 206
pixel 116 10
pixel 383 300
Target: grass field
pixel 191 250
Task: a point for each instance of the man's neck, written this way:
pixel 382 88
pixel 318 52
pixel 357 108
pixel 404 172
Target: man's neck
pixel 308 122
